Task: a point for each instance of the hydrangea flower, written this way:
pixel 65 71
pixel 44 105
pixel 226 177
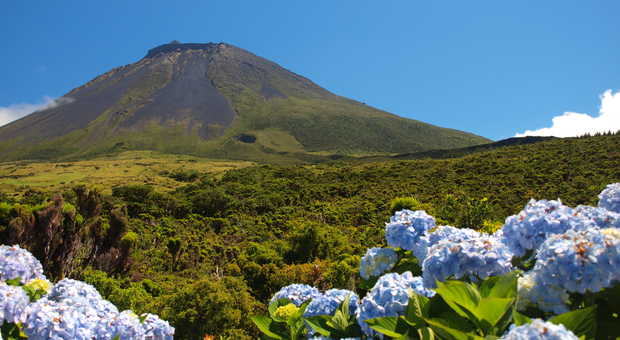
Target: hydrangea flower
pixel 530 228
pixel 156 328
pixel 389 297
pixel 297 293
pixel 441 233
pixel 13 303
pixel 73 289
pixel 126 325
pixel 601 218
pixel 377 261
pixel 74 292
pixel 48 319
pixel 327 303
pixel 546 298
pixel 19 263
pixel 406 227
pixel 471 259
pixel 539 330
pixel 580 261
pixel 609 198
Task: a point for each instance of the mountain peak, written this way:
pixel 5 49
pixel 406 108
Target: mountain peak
pixel 216 100
pixel 176 46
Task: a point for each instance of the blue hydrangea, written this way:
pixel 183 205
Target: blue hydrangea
pixel 388 297
pixel 126 325
pixel 297 293
pixel 19 263
pixel 547 298
pixel 54 320
pixel 320 337
pixel 377 261
pixel 530 228
pixel 442 233
pixel 406 227
pixel 471 259
pixel 327 303
pixel 13 303
pixel 580 261
pixel 73 289
pixel 610 198
pixel 156 328
pixel 539 330
pixel 602 218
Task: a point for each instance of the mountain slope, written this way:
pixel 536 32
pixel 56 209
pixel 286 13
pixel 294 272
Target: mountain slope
pixel 215 100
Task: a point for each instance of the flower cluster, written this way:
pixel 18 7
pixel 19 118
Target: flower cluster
pixel 327 303
pixel 377 261
pixel 406 227
pixel 609 198
pixel 442 233
pixel 532 226
pixel 389 297
pixel 19 263
pixel 13 303
pixel 473 259
pixel 580 261
pixel 548 298
pixel 297 293
pixel 539 330
pixel 70 309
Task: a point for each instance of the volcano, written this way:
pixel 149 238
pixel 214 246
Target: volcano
pixel 215 100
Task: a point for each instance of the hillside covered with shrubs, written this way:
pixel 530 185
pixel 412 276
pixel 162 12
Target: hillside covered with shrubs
pixel 214 251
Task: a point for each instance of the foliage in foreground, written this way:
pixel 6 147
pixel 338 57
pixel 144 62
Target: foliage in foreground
pixel 32 308
pixel 549 262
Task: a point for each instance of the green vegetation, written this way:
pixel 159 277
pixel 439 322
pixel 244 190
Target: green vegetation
pixel 200 243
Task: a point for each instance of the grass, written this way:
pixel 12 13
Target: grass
pixel 130 167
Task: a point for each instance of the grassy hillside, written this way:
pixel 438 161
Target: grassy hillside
pixel 212 250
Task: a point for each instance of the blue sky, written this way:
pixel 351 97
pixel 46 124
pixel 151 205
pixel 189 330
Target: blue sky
pixel 494 68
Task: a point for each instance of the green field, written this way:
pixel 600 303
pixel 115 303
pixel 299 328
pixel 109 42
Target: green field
pixel 131 167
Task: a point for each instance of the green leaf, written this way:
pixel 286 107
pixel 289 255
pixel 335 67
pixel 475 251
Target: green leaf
pixel 269 327
pixel 446 332
pixel 581 321
pixel 520 319
pixel 417 308
pixel 319 324
pixel 462 297
pixel 391 326
pixel 14 282
pixel 504 286
pixel 491 310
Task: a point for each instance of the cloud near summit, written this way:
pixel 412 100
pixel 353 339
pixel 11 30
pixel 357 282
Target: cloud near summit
pixel 572 124
pixel 16 111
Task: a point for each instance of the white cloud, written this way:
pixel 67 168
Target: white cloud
pixel 573 124
pixel 16 111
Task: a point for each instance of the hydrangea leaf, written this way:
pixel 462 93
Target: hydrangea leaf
pixel 520 319
pixel 446 332
pixel 504 286
pixel 462 297
pixel 491 310
pixel 581 322
pixel 319 324
pixel 391 326
pixel 269 327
